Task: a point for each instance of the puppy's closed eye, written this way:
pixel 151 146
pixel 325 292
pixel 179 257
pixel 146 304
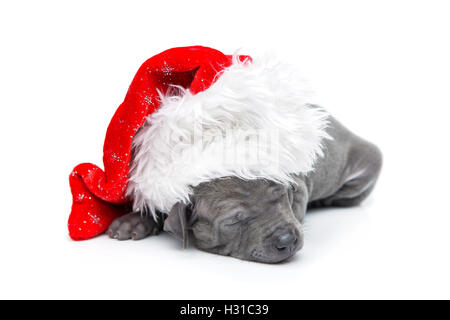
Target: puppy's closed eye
pixel 236 219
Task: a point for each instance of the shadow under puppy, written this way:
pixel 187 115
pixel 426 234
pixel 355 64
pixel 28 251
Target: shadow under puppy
pixel 261 219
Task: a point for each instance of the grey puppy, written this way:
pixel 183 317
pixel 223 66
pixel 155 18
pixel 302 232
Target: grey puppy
pixel 261 220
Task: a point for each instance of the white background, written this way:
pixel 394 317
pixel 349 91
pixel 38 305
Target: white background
pixel 381 67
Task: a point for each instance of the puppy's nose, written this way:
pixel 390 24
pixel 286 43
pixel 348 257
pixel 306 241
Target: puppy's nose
pixel 286 240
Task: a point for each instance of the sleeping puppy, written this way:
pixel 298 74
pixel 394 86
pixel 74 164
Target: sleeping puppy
pixel 261 220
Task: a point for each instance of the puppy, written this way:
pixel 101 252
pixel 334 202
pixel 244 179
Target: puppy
pixel 261 220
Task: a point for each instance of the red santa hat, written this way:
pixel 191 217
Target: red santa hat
pixel 193 114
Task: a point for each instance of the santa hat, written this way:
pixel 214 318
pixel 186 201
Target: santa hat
pixel 193 114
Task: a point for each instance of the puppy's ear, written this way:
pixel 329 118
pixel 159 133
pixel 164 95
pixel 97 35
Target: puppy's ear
pixel 179 221
pixel 290 192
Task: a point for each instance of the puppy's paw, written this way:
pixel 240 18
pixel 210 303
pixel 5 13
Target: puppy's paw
pixel 133 226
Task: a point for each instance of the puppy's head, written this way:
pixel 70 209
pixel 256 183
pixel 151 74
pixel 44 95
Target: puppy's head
pixel 251 220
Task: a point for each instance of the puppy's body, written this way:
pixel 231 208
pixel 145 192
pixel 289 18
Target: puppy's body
pixel 260 220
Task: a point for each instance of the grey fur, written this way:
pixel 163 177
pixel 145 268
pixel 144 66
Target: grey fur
pixel 261 220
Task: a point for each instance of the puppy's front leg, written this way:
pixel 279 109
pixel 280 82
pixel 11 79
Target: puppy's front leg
pixel 134 226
